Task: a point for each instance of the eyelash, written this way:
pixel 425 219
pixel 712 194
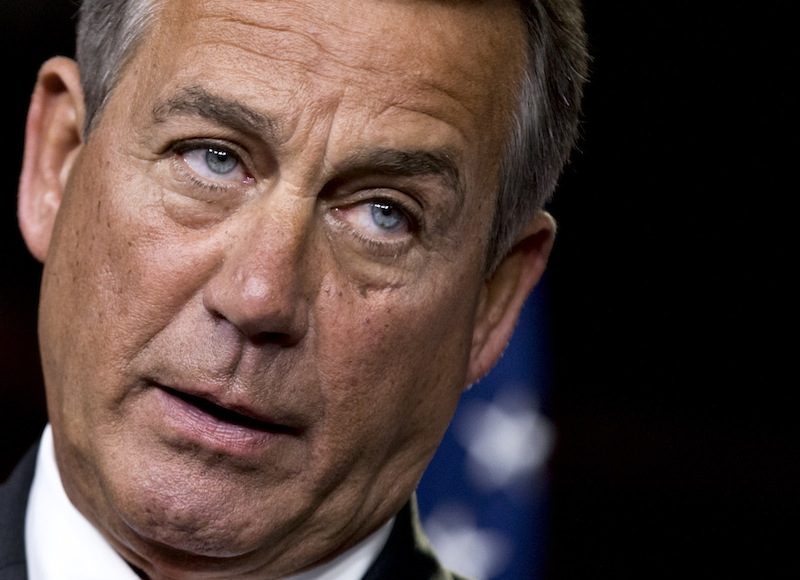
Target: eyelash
pixel 383 248
pixel 412 215
pixel 180 149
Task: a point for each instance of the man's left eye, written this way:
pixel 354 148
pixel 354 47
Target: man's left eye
pixel 215 163
pixel 387 216
pixel 378 219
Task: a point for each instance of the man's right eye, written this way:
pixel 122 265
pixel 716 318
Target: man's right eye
pixel 214 163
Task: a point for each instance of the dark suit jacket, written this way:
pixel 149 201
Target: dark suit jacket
pixel 406 556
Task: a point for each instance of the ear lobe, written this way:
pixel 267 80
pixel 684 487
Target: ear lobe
pixel 505 292
pixel 52 142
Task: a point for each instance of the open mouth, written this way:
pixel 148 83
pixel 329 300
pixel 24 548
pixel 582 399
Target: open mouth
pixel 229 415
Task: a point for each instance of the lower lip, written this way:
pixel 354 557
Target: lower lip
pixel 198 428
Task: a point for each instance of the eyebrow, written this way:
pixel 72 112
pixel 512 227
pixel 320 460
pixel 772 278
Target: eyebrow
pixel 438 163
pixel 196 100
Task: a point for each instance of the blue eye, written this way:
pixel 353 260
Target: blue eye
pixel 221 162
pixel 387 216
pixel 380 220
pixel 215 164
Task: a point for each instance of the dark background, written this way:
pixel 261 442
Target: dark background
pixel 673 329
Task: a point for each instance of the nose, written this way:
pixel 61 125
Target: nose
pixel 263 284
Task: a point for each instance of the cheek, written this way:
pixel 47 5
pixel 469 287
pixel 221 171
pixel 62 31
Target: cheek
pixel 109 285
pixel 404 356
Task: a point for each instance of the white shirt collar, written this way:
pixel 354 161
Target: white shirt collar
pixel 61 544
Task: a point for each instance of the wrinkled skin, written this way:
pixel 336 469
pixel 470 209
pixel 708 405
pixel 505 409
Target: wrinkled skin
pixel 264 286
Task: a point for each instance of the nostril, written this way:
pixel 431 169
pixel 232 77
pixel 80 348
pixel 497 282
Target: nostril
pixel 272 338
pixel 252 333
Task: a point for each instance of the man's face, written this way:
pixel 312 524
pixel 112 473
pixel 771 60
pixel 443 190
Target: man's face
pixel 260 295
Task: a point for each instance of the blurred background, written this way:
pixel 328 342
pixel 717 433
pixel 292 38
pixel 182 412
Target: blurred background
pixel 642 424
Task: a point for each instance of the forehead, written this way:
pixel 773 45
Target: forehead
pixel 442 70
pixel 475 41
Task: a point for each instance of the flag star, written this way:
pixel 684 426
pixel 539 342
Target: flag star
pixel 507 440
pixel 463 546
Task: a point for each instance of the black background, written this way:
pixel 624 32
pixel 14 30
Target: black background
pixel 671 291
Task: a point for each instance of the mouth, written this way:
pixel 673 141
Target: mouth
pixel 225 415
pixel 228 429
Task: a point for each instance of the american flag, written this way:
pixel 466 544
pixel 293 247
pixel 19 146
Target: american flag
pixel 483 499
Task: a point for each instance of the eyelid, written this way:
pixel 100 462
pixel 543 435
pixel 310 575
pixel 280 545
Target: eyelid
pixel 186 145
pixel 180 149
pixel 380 249
pixel 412 214
pixel 391 245
pixel 407 203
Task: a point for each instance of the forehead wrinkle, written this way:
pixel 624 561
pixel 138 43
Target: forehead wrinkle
pixel 271 40
pixel 196 100
pixel 356 49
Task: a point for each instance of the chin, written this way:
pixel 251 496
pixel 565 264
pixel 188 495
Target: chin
pixel 191 514
pixel 170 539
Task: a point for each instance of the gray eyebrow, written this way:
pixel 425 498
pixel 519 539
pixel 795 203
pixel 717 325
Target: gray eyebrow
pixel 406 163
pixel 229 112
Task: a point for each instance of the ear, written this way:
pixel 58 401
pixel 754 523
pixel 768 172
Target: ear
pixel 52 142
pixel 505 292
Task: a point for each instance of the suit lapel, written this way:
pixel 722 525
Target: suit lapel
pixel 408 553
pixel 13 503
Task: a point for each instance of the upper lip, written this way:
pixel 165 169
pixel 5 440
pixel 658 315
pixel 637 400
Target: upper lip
pixel 230 411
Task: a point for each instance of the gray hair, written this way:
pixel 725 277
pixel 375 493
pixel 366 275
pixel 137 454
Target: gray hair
pixel 546 120
pixel 108 33
pixel 544 126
